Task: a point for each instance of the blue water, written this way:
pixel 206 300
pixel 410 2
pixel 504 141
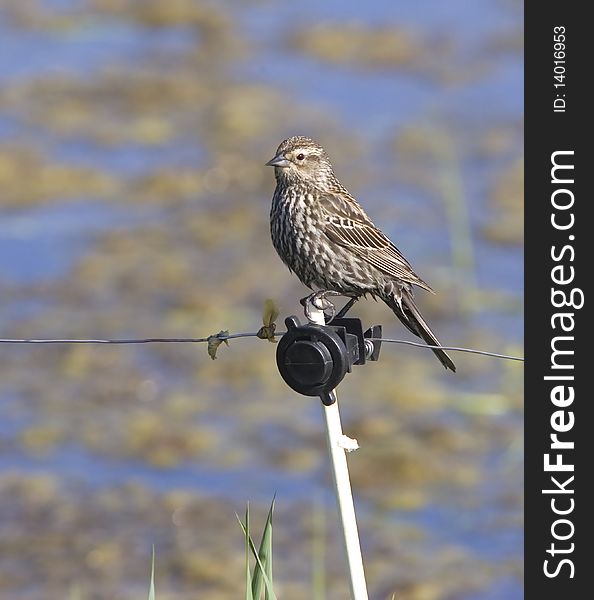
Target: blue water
pixel 45 242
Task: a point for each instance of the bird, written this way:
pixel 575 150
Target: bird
pixel 324 236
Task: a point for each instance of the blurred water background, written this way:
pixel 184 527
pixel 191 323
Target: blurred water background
pixel 134 202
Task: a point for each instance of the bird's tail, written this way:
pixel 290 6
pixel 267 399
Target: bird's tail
pixel 407 311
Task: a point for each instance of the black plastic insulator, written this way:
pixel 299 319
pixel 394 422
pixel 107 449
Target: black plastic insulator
pixel 309 362
pixel 353 339
pixel 313 359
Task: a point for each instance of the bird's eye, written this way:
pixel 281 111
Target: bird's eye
pixel 300 156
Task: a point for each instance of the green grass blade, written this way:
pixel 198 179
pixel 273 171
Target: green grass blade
pixel 245 527
pixel 260 568
pixel 265 556
pixel 151 595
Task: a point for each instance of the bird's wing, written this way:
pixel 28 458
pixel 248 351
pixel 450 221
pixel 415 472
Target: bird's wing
pixel 347 225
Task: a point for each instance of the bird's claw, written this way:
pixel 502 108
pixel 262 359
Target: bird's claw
pixel 320 301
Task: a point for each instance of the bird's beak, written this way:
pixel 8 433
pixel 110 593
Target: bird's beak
pixel 279 161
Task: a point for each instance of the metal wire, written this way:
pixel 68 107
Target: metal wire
pixel 229 336
pixel 453 348
pixel 128 341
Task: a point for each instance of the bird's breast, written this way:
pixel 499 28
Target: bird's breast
pixel 294 227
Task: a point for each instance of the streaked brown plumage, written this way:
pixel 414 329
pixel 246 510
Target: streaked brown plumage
pixel 324 236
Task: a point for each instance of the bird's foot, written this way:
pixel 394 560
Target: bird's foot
pixel 320 301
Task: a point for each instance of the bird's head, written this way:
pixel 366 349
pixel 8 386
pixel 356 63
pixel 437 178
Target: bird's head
pixel 300 158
